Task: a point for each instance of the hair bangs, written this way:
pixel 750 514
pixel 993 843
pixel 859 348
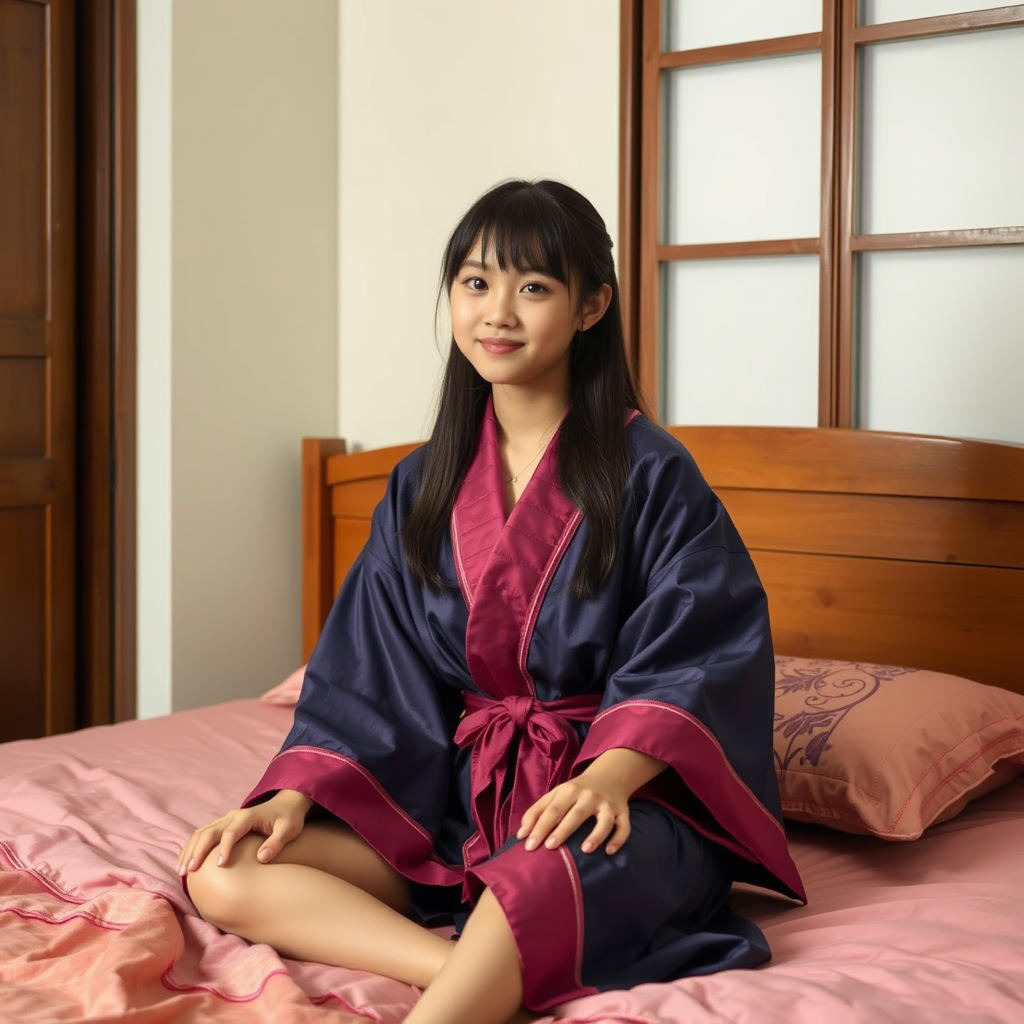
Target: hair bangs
pixel 520 228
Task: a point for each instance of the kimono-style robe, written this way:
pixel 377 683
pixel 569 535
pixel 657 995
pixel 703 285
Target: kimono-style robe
pixel 431 722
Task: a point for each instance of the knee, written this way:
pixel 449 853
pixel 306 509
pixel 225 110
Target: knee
pixel 220 894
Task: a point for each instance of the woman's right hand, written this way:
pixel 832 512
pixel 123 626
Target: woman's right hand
pixel 280 819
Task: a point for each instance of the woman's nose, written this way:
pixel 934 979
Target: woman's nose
pixel 500 309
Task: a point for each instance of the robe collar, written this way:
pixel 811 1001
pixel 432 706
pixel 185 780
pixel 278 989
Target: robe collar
pixel 505 566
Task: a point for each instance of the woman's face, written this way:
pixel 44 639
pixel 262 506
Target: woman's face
pixel 514 326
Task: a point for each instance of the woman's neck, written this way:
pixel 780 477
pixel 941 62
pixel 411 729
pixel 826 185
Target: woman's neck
pixel 526 420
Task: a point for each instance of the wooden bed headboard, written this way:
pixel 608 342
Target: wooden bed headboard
pixel 886 548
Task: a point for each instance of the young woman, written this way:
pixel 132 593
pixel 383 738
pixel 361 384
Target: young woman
pixel 541 708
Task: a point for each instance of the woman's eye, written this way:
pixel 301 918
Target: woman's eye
pixel 476 284
pixel 534 288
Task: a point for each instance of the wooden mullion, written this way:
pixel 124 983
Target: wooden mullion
pixel 962 239
pixel 751 50
pixel 843 370
pixel 948 24
pixel 828 411
pixel 650 341
pixel 95 352
pixel 732 250
pixel 630 113
pixel 107 349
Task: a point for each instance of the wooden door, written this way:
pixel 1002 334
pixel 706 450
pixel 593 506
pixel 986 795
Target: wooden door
pixel 37 368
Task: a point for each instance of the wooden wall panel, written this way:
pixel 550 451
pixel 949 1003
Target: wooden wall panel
pixel 889 613
pixel 24 256
pixel 23 599
pixel 38 429
pixel 867 525
pixel 23 401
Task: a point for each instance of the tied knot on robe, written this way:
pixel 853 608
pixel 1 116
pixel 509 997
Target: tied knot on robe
pixel 520 709
pixel 521 748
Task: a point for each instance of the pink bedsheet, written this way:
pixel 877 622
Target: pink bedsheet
pixel 94 925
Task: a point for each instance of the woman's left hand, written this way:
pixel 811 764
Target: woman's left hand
pixel 561 811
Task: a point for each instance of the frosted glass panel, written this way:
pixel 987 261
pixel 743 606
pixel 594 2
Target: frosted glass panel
pixel 741 341
pixel 942 342
pixel 943 147
pixel 690 24
pixel 743 150
pixel 873 12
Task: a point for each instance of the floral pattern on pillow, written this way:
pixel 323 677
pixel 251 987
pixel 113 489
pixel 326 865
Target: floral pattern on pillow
pixel 832 689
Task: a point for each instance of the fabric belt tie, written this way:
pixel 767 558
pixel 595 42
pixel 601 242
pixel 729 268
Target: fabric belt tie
pixel 548 746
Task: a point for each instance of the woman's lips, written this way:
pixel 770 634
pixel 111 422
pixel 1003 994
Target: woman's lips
pixel 499 346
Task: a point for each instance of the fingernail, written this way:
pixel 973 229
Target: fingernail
pixel 587 847
pixel 191 865
pixel 262 855
pixel 551 843
pixel 220 860
pixel 531 844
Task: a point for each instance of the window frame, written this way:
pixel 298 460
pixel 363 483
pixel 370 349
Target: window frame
pixel 642 254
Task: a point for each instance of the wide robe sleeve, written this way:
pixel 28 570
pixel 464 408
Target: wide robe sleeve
pixel 691 676
pixel 371 738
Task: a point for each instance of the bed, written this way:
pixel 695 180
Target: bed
pixel 894 566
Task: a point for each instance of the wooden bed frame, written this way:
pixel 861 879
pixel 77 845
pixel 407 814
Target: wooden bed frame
pixel 886 548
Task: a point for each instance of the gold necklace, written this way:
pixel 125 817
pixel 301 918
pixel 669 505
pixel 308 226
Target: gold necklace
pixel 533 458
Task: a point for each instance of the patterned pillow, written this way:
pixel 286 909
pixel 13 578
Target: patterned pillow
pixel 889 751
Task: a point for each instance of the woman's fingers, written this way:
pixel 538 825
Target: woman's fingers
pixel 283 832
pixel 533 814
pixel 235 831
pixel 201 842
pixel 230 827
pixel 619 828
pixel 603 827
pixel 558 814
pixel 556 825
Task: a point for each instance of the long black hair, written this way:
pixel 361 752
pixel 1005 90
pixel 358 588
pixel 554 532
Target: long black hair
pixel 549 227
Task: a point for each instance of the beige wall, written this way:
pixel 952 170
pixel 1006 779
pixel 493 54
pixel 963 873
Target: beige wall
pixel 300 166
pixel 438 102
pixel 245 320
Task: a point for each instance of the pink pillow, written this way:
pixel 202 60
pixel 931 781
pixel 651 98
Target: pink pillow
pixel 889 751
pixel 286 692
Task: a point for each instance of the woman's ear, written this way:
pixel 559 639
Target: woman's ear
pixel 595 307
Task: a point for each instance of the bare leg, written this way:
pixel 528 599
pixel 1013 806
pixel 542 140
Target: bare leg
pixel 481 981
pixel 327 898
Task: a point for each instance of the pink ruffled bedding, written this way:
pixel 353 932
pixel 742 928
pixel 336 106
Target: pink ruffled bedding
pixel 94 925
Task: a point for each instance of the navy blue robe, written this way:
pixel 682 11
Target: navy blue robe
pixel 430 722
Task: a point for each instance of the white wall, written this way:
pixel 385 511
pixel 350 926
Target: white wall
pixel 153 511
pixel 237 332
pixel 438 102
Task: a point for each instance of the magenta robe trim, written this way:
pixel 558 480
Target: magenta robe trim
pixel 740 821
pixel 550 950
pixel 324 775
pixel 505 566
